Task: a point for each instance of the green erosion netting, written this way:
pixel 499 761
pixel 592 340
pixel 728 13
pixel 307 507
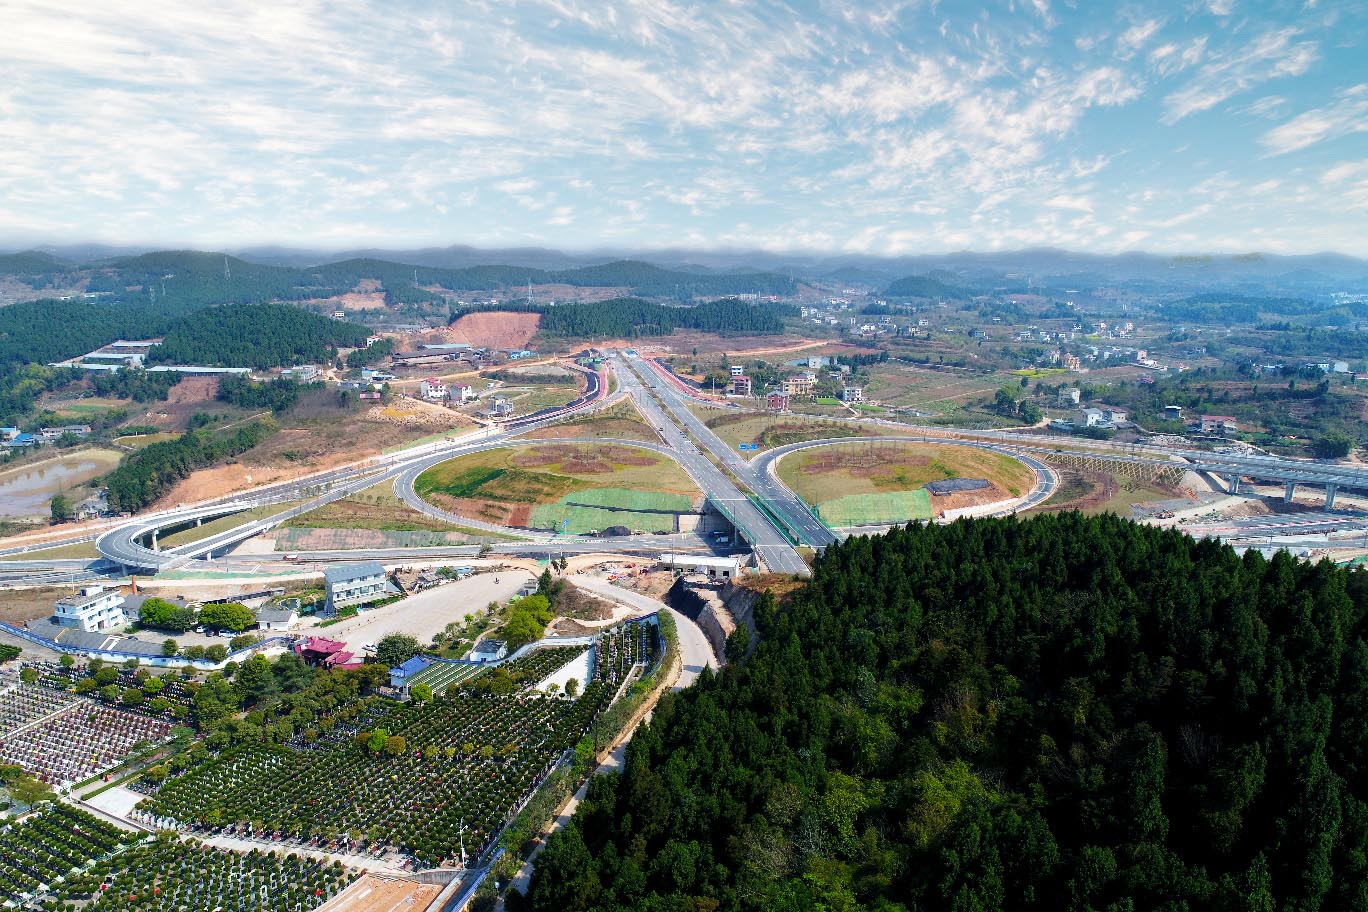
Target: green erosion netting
pixel 875 509
pixel 599 508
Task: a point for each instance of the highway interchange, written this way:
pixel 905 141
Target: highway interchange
pixel 769 517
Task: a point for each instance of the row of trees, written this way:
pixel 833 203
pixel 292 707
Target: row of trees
pixel 277 395
pixel 1057 713
pixel 134 383
pixel 149 473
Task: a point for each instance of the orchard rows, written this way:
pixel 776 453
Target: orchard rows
pixel 442 786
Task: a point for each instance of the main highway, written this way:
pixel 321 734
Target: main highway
pixel 789 507
pixel 772 547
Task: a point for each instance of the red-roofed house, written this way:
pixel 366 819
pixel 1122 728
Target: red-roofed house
pixel 318 650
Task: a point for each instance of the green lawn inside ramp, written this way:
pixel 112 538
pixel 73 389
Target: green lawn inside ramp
pixel 876 509
pixel 599 508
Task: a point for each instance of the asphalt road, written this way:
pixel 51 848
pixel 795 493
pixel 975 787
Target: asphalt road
pixel 120 546
pixel 1046 477
pixel 791 509
pixel 771 545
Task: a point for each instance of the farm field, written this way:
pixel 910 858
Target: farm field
pixel 431 781
pixel 528 400
pixel 377 508
pixel 777 430
pixel 138 441
pixel 167 875
pixel 879 483
pixel 1102 492
pixel 934 392
pixel 580 487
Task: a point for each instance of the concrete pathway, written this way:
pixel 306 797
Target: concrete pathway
pixel 695 654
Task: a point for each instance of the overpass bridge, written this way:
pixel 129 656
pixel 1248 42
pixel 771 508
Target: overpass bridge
pixel 133 546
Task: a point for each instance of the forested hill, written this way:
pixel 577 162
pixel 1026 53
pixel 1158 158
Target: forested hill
pixel 924 287
pixel 256 335
pixel 630 318
pixel 1061 713
pixel 188 279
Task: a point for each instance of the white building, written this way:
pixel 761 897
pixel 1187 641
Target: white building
pixel 1089 417
pixel 355 584
pixel 432 388
pixel 737 370
pixel 305 373
pixel 276 618
pixel 463 392
pixel 488 651
pixel 720 567
pixel 93 610
pixel 852 394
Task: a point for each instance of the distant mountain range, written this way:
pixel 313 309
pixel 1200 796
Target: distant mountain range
pixel 1044 267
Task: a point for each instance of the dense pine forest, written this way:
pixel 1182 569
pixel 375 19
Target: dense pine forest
pixel 259 336
pixel 1058 713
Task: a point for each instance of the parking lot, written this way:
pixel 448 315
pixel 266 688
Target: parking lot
pixel 427 613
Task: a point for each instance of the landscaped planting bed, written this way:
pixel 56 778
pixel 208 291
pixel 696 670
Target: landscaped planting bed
pixel 464 763
pixel 168 875
pixel 627 645
pixel 24 704
pixel 48 845
pixel 171 689
pixel 540 663
pixel 441 675
pixel 84 740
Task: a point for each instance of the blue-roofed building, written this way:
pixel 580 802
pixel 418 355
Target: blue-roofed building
pixel 402 674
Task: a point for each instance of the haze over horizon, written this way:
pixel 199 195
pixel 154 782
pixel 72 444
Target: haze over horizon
pixel 884 129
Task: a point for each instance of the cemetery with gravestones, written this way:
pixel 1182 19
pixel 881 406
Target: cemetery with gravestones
pixel 421 784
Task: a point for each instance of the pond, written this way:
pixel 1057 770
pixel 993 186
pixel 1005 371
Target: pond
pixel 26 491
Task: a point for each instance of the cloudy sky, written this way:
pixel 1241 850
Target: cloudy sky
pixel 861 126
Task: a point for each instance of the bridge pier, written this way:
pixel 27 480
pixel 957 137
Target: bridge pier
pixel 1234 484
pixel 1289 491
pixel 1330 492
pixel 199 521
pixel 154 539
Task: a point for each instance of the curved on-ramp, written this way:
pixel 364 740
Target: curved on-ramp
pixel 1047 480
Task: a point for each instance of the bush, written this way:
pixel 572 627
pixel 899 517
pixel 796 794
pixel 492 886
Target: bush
pixel 396 649
pixel 164 615
pixel 227 616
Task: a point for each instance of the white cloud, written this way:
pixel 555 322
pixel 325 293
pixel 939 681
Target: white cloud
pixel 1272 55
pixel 1348 115
pixel 1135 37
pixel 867 124
pixel 1075 203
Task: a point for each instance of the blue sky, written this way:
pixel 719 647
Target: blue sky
pixel 864 127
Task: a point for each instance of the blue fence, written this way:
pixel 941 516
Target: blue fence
pixel 157 660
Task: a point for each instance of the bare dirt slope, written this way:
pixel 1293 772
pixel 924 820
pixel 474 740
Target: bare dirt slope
pixel 495 329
